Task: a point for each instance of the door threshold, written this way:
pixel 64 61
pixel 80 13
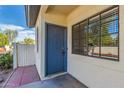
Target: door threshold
pixel 54 75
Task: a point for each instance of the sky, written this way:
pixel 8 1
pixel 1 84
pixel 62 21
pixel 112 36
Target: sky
pixel 13 17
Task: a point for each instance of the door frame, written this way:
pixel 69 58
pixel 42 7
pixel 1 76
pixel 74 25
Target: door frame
pixel 46 46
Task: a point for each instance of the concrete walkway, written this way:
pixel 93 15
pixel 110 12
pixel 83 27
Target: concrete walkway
pixel 22 76
pixel 63 81
pixel 27 77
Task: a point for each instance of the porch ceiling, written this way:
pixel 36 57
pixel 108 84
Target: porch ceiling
pixel 61 9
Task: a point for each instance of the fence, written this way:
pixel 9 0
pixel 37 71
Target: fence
pixel 23 55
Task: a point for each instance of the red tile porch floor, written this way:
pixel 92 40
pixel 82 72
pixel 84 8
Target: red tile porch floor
pixel 22 76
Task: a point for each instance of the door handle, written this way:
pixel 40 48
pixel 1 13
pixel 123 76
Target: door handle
pixel 63 51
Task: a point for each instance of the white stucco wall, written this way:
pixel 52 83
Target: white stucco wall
pixel 95 72
pixel 38 54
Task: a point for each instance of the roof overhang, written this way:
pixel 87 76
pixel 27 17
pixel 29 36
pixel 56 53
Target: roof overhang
pixel 31 12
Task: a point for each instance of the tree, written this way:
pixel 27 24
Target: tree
pixel 93 35
pixel 106 39
pixel 29 41
pixel 12 34
pixel 3 39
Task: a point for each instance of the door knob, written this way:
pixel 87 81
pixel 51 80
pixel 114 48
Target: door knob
pixel 63 50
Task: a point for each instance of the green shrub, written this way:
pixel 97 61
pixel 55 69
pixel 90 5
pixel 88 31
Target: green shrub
pixel 6 61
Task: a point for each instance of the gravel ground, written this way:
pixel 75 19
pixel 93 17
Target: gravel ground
pixel 4 74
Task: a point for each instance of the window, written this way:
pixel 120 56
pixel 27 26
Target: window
pixel 83 38
pixel 37 39
pixel 94 36
pixel 76 39
pixel 98 36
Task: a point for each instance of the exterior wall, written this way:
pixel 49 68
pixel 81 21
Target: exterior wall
pixel 56 19
pixel 38 54
pixel 95 72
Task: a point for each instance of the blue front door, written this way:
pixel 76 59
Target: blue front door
pixel 56 49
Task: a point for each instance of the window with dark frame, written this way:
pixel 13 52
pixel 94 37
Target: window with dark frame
pixel 37 39
pixel 98 36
